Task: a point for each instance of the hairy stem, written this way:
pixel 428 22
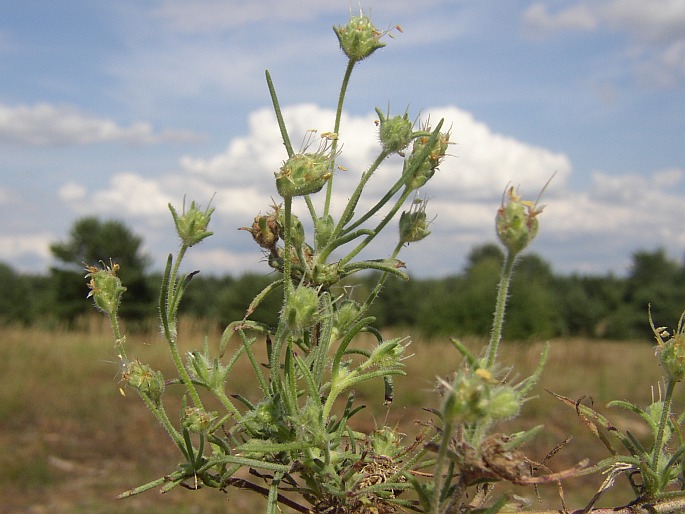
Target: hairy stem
pixel 500 308
pixel 336 130
pixel 665 413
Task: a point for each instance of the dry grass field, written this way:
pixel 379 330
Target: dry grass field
pixel 69 441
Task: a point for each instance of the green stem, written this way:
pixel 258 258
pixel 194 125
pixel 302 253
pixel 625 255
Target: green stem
pixel 171 338
pixel 185 377
pixel 665 413
pixel 500 308
pixel 377 230
pixel 287 251
pixel 282 331
pixel 174 273
pixel 439 467
pixel 118 340
pixel 279 115
pixel 336 130
pixel 161 415
pixel 352 204
pixel 379 285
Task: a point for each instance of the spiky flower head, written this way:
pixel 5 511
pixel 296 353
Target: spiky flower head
pixel 145 380
pixel 323 230
pixel 105 287
pixel 425 168
pixel 265 230
pixel 306 172
pixel 394 132
pixel 191 225
pixel 302 308
pixel 414 223
pixel 671 349
pixel 197 420
pixel 516 221
pixel 359 38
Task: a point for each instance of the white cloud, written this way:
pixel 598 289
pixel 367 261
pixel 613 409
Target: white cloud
pixel 601 220
pixel 624 212
pixel 657 30
pixel 72 192
pixel 20 246
pixel 577 17
pixel 255 157
pixel 465 193
pixel 44 124
pixel 487 161
pixel 127 194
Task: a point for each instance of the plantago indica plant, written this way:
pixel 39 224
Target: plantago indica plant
pixel 295 433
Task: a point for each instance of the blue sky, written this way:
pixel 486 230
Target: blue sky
pixel 116 109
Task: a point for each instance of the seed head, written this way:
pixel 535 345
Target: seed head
pixel 671 349
pixel 144 379
pixel 426 169
pixel 323 230
pixel 105 287
pixel 191 225
pixel 413 223
pixel 197 420
pixel 395 133
pixel 516 221
pixel 306 173
pixel 359 38
pixel 302 309
pixel 265 230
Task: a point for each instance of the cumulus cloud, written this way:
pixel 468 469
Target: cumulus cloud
pixel 44 124
pixel 485 161
pixel 590 227
pixel 19 246
pixel 657 30
pixel 254 157
pixel 126 194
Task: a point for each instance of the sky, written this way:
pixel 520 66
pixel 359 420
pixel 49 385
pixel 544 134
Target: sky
pixel 116 109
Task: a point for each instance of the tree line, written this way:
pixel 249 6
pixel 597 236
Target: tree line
pixel 542 304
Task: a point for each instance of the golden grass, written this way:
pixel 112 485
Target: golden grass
pixel 70 442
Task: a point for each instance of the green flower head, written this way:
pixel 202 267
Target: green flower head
pixel 414 223
pixel 105 287
pixel 671 349
pixel 359 38
pixel 516 221
pixel 191 225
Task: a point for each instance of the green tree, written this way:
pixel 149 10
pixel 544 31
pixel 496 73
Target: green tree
pixel 91 241
pixel 657 280
pixel 15 304
pixel 535 307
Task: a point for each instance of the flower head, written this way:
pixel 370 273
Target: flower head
pixel 306 172
pixel 414 223
pixel 671 349
pixel 426 168
pixel 105 287
pixel 394 132
pixel 191 225
pixel 359 38
pixel 302 308
pixel 516 221
pixel 145 380
pixel 197 420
